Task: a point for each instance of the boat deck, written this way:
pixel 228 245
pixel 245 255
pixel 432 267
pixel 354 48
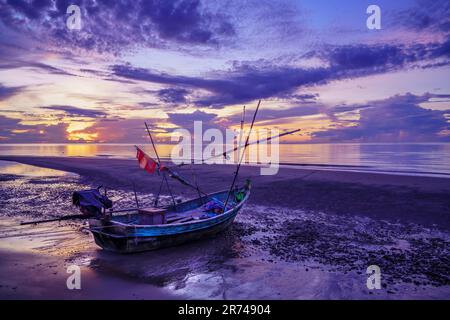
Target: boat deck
pixel 137 218
pixel 194 210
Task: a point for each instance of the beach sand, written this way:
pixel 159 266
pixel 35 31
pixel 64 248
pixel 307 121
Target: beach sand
pixel 304 234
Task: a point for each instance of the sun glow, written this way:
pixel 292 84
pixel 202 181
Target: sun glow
pixel 75 132
pixel 80 136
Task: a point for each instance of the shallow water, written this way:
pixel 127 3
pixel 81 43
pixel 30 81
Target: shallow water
pixel 14 168
pixel 268 253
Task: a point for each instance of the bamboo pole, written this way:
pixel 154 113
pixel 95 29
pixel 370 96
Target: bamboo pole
pixel 75 216
pixel 242 156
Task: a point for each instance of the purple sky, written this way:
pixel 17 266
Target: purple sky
pixel 315 64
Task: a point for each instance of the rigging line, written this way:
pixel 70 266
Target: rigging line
pixel 159 164
pixel 249 144
pixel 170 190
pixel 155 204
pixel 135 195
pixel 196 183
pixel 241 132
pixel 242 156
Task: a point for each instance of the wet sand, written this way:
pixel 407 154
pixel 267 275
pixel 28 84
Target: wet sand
pixel 321 228
pixel 422 200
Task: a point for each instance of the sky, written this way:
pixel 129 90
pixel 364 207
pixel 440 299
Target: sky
pixel 315 65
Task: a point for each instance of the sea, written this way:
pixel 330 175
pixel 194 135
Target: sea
pixel 426 159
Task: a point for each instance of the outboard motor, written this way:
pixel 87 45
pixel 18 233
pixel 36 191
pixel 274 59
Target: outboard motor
pixel 91 202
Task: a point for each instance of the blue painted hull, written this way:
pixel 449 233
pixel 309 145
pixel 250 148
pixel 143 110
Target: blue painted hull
pixel 118 235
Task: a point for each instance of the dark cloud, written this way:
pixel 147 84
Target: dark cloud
pixel 361 59
pixel 275 116
pixel 11 130
pixel 246 82
pixel 14 64
pixel 8 92
pixel 366 57
pixel 173 95
pixel 114 25
pixel 111 26
pixel 397 119
pixel 122 130
pixel 77 112
pixel 308 97
pixel 240 85
pixel 425 15
pixel 105 130
pixel 148 104
pixel 186 120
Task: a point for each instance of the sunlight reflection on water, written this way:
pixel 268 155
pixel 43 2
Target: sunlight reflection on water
pixel 14 168
pixel 425 158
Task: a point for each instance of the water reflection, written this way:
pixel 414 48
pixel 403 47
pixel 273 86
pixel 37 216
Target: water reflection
pixel 8 167
pixel 412 157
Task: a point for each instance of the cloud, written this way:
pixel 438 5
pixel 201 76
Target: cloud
pixel 103 130
pixel 8 92
pixel 173 95
pixel 246 81
pixel 362 59
pixel 11 130
pixel 276 116
pixel 120 130
pixel 366 57
pixel 243 84
pixel 397 119
pixel 112 26
pixel 39 66
pixel 426 15
pixel 77 112
pixel 186 120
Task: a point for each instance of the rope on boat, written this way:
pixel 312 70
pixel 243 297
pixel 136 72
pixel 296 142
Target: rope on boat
pixel 159 164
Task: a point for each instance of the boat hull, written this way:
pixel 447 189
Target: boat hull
pixel 125 234
pixel 132 244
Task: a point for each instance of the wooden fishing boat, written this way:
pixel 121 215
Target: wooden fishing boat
pixel 153 228
pixel 149 228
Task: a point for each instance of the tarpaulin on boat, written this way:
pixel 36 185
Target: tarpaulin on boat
pixel 91 201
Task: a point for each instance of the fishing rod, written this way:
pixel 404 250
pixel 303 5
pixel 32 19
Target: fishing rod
pixel 242 156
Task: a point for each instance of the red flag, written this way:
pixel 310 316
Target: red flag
pixel 145 162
